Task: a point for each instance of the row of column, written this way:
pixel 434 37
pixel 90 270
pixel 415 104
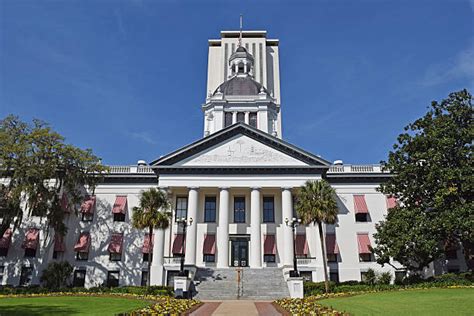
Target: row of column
pixel 246 117
pixel 222 237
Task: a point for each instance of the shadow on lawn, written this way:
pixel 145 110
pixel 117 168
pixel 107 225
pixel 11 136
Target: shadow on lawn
pixel 36 310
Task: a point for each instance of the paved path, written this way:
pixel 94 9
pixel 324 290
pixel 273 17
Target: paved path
pixel 238 308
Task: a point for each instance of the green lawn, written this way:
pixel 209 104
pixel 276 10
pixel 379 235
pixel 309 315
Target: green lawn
pixel 68 305
pixel 411 302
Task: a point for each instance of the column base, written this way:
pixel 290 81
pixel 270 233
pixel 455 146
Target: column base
pixel 156 275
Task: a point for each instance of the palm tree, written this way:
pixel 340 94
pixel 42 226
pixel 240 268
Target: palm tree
pixel 151 213
pixel 316 203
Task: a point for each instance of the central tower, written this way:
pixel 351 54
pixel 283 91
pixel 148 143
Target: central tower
pixel 243 82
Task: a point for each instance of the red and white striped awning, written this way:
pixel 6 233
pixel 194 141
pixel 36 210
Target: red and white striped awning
pixel 147 244
pixel 360 206
pixel 83 242
pixel 301 248
pixel 120 204
pixel 331 245
pixel 209 246
pixel 116 242
pixel 391 202
pixel 364 243
pixel 269 245
pixel 6 239
pixel 88 205
pixel 31 239
pixel 178 244
pixel 59 245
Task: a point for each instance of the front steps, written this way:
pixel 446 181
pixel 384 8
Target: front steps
pixel 256 284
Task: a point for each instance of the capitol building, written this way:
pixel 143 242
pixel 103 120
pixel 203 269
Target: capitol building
pixel 235 185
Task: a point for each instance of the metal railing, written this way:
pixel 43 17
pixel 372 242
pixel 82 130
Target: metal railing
pixel 305 261
pixel 172 260
pixel 355 169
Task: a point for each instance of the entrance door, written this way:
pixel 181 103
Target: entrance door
pixel 240 252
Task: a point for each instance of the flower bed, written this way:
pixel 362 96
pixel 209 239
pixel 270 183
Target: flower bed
pixel 167 306
pixel 307 306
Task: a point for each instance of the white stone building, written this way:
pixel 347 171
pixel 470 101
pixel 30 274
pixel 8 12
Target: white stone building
pixel 237 184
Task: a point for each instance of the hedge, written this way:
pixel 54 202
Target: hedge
pixel 445 280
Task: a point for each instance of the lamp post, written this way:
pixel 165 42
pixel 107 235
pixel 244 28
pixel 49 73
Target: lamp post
pixel 183 221
pixel 293 223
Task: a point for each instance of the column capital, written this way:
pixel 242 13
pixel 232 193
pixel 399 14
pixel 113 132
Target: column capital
pixel 286 188
pixel 255 188
pixel 223 188
pixel 193 188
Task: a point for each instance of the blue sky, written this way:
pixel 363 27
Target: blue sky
pixel 127 78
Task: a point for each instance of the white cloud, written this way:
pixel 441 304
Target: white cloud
pixel 143 136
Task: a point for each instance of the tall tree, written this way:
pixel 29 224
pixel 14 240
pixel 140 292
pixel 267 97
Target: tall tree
pixel 152 212
pixel 316 203
pixel 432 167
pixel 35 167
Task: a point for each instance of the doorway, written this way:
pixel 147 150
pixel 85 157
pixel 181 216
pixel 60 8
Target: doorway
pixel 239 251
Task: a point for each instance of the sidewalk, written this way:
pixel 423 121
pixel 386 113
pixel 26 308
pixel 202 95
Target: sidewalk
pixel 237 307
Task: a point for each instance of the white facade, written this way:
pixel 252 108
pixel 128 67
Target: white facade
pixel 237 184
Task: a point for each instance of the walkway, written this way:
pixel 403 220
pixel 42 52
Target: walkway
pixel 238 308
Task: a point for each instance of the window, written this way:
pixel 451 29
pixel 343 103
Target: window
pixel 30 253
pixel 268 258
pixel 334 276
pixel 115 256
pixel 87 217
pixel 241 117
pixel 400 276
pixel 293 203
pixel 3 252
pixel 365 257
pixel 82 256
pixel 146 257
pixel 363 276
pixel 2 272
pixel 209 258
pixel 332 257
pixel 268 209
pixel 227 119
pixel 119 217
pixel 253 119
pixel 362 217
pixel 210 209
pixel 113 278
pixel 239 209
pixel 307 276
pixel 181 207
pixel 79 278
pixel 144 281
pixel 26 276
pixel 451 254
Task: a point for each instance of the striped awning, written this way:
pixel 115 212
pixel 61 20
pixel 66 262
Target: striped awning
pixel 331 245
pixel 59 245
pixel 120 204
pixel 6 239
pixel 31 239
pixel 209 246
pixel 88 205
pixel 116 242
pixel 269 245
pixel 301 248
pixel 83 242
pixel 364 243
pixel 178 244
pixel 147 244
pixel 391 202
pixel 360 206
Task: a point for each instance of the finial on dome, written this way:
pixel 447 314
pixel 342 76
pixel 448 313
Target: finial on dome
pixel 240 36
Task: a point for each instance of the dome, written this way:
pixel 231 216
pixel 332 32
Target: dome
pixel 241 52
pixel 241 85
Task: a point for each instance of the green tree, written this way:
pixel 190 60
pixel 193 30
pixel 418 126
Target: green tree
pixel 316 203
pixel 56 275
pixel 37 166
pixel 152 212
pixel 432 167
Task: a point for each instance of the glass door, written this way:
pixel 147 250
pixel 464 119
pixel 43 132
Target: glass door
pixel 240 252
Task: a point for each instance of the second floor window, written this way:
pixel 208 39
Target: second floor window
pixel 181 207
pixel 210 209
pixel 227 119
pixel 241 117
pixel 268 209
pixel 239 209
pixel 119 217
pixel 253 119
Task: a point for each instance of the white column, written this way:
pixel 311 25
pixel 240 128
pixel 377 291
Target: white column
pixel 255 229
pixel 156 273
pixel 234 117
pixel 191 233
pixel 287 212
pixel 247 118
pixel 223 229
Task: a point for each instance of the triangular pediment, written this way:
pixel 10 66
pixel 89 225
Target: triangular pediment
pixel 240 146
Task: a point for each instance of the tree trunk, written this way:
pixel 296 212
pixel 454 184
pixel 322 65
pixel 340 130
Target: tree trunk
pixel 150 254
pixel 323 250
pixel 468 253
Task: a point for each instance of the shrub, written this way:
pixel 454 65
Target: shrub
pixel 370 277
pixel 56 275
pixel 384 278
pixel 317 287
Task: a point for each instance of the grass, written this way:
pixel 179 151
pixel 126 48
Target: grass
pixel 68 305
pixel 411 302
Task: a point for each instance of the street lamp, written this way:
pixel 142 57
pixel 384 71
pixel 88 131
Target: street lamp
pixel 183 221
pixel 293 223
